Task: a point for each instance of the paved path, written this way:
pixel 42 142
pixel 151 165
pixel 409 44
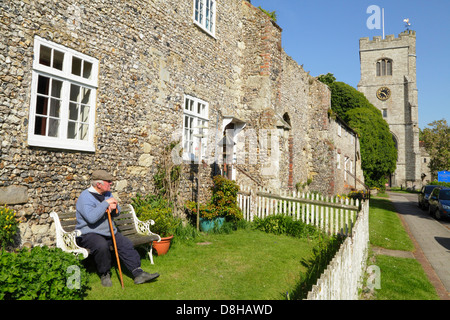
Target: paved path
pixel 431 238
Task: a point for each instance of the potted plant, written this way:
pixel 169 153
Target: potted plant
pixel 208 215
pixel 224 198
pixel 222 205
pixel 158 209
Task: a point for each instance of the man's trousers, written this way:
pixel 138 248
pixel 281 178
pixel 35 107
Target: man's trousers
pixel 99 246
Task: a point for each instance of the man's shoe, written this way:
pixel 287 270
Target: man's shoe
pixel 144 277
pixel 106 280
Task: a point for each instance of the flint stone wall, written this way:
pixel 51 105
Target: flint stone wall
pixel 150 55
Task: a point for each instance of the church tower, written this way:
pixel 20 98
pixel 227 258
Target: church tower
pixel 388 80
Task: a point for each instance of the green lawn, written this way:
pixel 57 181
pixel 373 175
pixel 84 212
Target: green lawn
pixel 401 278
pixel 386 229
pixel 245 264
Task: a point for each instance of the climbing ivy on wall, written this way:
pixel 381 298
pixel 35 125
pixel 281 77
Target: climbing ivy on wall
pixel 378 152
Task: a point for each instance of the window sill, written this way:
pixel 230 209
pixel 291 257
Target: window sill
pixel 59 144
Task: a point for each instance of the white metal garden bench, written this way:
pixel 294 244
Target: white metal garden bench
pixel 127 224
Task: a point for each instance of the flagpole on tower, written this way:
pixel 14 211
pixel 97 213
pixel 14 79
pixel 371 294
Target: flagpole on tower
pixel 382 17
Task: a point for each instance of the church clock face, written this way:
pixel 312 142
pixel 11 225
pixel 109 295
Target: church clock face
pixel 383 93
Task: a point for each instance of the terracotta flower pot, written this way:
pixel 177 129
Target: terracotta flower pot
pixel 163 246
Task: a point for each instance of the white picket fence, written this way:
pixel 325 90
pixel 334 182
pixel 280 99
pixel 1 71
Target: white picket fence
pixel 342 278
pixel 334 215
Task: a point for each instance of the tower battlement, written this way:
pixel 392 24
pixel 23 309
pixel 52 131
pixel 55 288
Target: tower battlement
pixel 403 38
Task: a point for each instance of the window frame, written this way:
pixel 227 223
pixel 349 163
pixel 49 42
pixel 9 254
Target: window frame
pixel 384 67
pixel 202 118
pixel 338 160
pixel 69 80
pixel 203 17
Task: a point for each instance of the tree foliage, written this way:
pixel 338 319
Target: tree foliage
pixel 378 152
pixel 437 143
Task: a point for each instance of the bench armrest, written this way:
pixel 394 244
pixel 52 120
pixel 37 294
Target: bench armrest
pixel 66 240
pixel 142 227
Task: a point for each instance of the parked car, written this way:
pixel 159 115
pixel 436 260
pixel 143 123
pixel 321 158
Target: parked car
pixel 439 203
pixel 424 195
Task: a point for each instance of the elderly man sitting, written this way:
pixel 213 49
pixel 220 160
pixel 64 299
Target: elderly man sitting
pixel 92 221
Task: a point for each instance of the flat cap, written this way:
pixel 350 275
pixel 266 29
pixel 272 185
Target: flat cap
pixel 102 175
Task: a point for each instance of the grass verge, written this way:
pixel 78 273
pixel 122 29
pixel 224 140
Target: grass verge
pixel 386 229
pixel 401 278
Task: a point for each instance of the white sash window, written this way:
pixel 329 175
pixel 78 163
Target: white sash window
pixel 195 122
pixel 63 93
pixel 205 15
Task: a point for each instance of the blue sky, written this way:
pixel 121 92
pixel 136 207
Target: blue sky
pixel 323 35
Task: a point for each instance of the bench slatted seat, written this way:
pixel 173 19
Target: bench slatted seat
pixel 127 223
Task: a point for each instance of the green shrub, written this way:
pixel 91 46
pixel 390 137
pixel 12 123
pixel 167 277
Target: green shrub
pixel 224 197
pixel 157 209
pixel 8 226
pixel 42 274
pixel 283 224
pixel 223 202
pixel 440 183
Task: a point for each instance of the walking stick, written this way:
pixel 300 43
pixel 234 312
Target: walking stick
pixel 115 245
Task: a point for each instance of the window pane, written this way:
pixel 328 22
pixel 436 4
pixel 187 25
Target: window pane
pixel 41 105
pixel 200 11
pixel 54 108
pixel 83 135
pixel 74 92
pixel 87 70
pixel 58 59
pixel 84 113
pixel 389 68
pixel 71 130
pixel 43 85
pixel 207 18
pixel 211 18
pixel 53 128
pixel 197 8
pixel 56 88
pixel 76 66
pixel 86 94
pixel 45 56
pixel 40 125
pixel 73 111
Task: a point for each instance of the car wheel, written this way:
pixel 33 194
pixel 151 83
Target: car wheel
pixel 437 214
pixel 429 210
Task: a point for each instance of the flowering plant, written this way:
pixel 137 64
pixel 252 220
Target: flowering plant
pixel 223 202
pixel 8 226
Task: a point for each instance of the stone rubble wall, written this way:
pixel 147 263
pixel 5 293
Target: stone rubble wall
pixel 150 55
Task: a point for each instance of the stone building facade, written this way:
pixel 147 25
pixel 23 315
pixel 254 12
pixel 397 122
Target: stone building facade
pixel 388 80
pixel 105 84
pixel 349 175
